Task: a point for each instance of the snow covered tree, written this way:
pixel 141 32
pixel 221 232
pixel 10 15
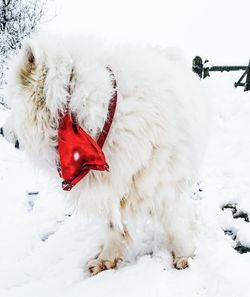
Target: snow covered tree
pixel 18 19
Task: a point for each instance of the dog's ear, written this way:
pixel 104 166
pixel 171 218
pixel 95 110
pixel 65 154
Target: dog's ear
pixel 30 59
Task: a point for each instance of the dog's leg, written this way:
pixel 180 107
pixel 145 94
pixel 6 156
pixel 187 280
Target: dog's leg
pixel 179 221
pixel 112 251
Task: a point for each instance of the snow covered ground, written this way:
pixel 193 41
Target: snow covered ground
pixel 44 249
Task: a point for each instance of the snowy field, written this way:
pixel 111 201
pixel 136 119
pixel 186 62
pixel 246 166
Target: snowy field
pixel 45 245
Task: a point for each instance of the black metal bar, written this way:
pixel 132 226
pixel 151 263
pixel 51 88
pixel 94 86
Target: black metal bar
pixel 227 68
pixel 239 82
pixel 247 83
pixel 202 71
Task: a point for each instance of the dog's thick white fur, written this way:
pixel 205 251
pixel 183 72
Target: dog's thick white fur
pixel 155 145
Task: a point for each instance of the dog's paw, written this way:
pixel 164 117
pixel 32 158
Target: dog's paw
pixel 181 262
pixel 99 265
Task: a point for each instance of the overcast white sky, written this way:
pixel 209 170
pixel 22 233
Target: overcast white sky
pixel 215 29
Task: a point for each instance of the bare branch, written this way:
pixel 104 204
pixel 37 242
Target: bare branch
pixel 18 19
pixel 6 3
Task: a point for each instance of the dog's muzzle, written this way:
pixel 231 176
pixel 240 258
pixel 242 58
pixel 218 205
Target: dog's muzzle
pixel 17 145
pixel 16 142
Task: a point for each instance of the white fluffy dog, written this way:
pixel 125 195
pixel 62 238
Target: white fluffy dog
pixel 155 144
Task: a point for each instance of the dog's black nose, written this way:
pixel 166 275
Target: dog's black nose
pixel 17 144
pixel 1 131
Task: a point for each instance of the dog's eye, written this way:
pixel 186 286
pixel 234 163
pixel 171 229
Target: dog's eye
pixel 53 138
